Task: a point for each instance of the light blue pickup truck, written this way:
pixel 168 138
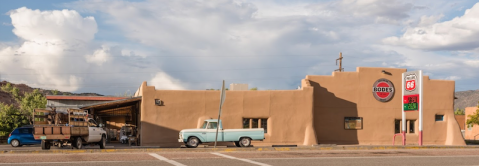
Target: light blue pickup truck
pixel 207 133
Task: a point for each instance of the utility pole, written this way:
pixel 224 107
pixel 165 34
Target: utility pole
pixel 340 62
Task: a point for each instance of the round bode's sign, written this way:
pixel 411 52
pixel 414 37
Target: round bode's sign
pixel 383 90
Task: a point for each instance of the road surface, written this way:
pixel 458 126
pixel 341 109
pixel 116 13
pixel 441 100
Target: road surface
pixel 433 157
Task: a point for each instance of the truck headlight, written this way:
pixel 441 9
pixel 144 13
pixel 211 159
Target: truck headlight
pixel 181 135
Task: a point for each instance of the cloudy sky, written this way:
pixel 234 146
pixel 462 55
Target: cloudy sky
pixel 111 46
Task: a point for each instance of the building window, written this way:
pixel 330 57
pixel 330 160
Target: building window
pixel 245 123
pixel 439 117
pixel 264 125
pixel 469 127
pixel 255 123
pixel 397 126
pixel 411 126
pixel 353 123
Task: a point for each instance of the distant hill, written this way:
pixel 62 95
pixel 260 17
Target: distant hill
pixel 466 99
pixel 8 98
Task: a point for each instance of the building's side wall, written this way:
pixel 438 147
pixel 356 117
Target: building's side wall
pixel 289 113
pixel 349 94
pixel 471 133
pixel 461 120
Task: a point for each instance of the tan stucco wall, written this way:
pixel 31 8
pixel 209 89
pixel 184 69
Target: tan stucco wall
pixel 314 114
pixel 349 94
pixel 474 130
pixel 461 120
pixel 289 113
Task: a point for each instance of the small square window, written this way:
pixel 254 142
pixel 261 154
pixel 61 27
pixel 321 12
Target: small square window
pixel 439 117
pixel 411 126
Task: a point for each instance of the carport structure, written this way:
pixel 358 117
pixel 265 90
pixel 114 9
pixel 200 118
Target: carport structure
pixel 117 113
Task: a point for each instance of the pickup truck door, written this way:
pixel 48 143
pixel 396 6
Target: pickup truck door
pixel 94 131
pixel 211 132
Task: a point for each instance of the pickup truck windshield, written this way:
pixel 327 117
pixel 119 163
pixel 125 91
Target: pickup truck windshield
pixel 204 125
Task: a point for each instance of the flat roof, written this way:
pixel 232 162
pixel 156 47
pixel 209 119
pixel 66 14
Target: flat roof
pixel 113 104
pixel 90 98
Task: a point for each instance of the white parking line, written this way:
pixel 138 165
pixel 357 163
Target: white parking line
pixel 245 160
pixel 166 160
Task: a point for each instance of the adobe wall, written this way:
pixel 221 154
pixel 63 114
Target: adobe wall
pixel 470 132
pixel 349 94
pixel 461 120
pixel 289 113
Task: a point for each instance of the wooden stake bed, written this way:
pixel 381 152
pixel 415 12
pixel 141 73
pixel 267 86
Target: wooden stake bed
pixel 50 125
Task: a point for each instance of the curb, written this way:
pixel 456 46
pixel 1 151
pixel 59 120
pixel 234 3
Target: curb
pixel 147 150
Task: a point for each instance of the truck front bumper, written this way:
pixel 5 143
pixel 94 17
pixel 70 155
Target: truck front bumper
pixel 181 140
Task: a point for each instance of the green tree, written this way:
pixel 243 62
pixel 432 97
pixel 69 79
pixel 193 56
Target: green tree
pixel 459 112
pixel 255 88
pixel 31 101
pixel 55 92
pixel 11 118
pixel 12 90
pixel 474 118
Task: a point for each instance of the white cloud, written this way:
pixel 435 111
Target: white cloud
pixel 455 78
pixel 164 81
pixel 196 44
pixel 58 51
pixel 100 56
pixel 47 37
pixel 382 11
pixel 460 33
pixel 473 63
pixel 52 26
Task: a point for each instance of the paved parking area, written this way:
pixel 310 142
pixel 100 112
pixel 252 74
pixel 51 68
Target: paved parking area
pixel 311 157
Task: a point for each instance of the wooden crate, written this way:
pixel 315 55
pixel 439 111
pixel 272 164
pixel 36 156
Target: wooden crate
pixel 56 130
pixel 38 130
pixel 79 131
pixel 47 130
pixel 65 130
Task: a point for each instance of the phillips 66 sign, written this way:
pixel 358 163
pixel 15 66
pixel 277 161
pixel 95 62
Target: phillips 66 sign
pixel 411 91
pixel 410 82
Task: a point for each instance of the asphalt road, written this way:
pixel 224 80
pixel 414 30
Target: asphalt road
pixel 433 157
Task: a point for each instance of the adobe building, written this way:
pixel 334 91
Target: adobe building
pixel 336 109
pixel 471 131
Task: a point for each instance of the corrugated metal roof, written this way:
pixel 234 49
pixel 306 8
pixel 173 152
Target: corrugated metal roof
pixel 96 98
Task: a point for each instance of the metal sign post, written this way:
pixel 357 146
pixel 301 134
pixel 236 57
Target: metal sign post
pixel 403 114
pixel 222 100
pixel 412 88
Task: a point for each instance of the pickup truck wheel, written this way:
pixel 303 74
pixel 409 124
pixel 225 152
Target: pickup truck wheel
pixel 15 143
pixel 237 144
pixel 45 145
pixel 102 142
pixel 192 142
pixel 78 143
pixel 245 142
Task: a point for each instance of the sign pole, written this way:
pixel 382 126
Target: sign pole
pixel 412 98
pixel 222 100
pixel 403 115
pixel 420 107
